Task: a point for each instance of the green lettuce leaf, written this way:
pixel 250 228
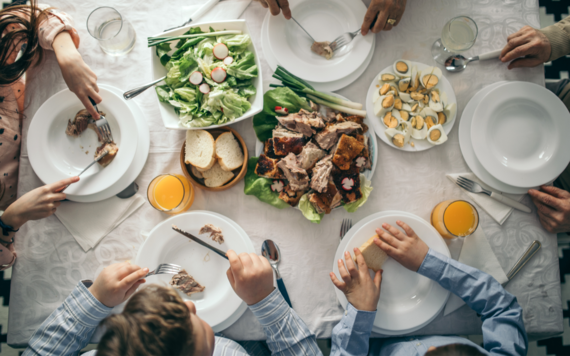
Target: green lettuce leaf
pixel 205 47
pixel 366 188
pixel 285 98
pixel 237 43
pixel 186 47
pixel 231 104
pixel 188 64
pixel 162 52
pixel 309 211
pixel 261 187
pixel 191 31
pixel 186 94
pixel 163 92
pixel 263 125
pixel 244 68
pixel 247 91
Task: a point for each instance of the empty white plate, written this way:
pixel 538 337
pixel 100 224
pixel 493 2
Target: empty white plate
pixel 519 134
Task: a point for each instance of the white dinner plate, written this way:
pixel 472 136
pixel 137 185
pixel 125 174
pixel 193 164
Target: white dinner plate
pixel 141 155
pixel 519 134
pixel 408 301
pixel 467 147
pixel 419 145
pixel 218 302
pixel 55 155
pixel 325 20
pixel 324 86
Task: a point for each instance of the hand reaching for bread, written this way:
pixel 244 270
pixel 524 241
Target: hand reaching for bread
pixel 408 249
pixel 360 289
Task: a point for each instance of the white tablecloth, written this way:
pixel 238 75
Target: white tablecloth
pixel 50 262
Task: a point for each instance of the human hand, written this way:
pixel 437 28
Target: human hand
pixel 530 44
pixel 251 276
pixel 360 290
pixel 553 208
pixel 117 282
pixel 275 6
pixel 79 78
pixel 408 249
pixel 36 204
pixel 381 11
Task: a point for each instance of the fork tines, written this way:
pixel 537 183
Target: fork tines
pixel 345 226
pixel 465 183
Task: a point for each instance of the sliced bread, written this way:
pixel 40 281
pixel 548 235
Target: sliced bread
pixel 197 173
pixel 228 152
pixel 373 255
pixel 200 149
pixel 216 176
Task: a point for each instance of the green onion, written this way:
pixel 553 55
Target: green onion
pixel 344 109
pixel 153 41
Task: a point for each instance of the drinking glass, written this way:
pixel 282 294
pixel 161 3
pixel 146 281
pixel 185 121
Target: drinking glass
pixel 115 34
pixel 170 193
pixel 458 35
pixel 455 218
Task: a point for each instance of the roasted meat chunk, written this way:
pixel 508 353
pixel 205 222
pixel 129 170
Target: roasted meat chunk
pixel 348 183
pixel 302 122
pixel 112 150
pixel 329 136
pixel 291 197
pixel 321 174
pixel 347 150
pixel 363 160
pixel 325 202
pixel 268 149
pixel 267 167
pixel 297 176
pixel 309 156
pixel 215 233
pixel 285 141
pixel 186 283
pixel 323 49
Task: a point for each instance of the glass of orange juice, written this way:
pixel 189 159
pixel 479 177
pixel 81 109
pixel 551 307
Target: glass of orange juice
pixel 170 193
pixel 455 218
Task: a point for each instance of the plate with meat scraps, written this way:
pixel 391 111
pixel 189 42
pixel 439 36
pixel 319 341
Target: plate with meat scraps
pixel 217 303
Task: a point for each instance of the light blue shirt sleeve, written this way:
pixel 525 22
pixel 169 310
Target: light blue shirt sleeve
pixel 287 334
pixel 352 334
pixel 70 327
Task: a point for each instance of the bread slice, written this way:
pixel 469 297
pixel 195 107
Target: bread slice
pixel 200 149
pixel 228 152
pixel 373 255
pixel 197 173
pixel 216 176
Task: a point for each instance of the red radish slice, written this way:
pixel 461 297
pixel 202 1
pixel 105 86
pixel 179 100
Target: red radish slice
pixel 282 111
pixel 204 88
pixel 220 51
pixel 196 78
pixel 218 74
pixel 228 60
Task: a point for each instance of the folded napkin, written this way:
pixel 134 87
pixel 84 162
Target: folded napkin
pixel 223 11
pixel 476 252
pixel 497 210
pixel 89 223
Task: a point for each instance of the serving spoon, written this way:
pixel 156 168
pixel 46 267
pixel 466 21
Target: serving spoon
pixel 270 250
pixel 457 63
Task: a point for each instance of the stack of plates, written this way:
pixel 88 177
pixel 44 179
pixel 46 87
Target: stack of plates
pixel 284 42
pixel 514 136
pixel 55 156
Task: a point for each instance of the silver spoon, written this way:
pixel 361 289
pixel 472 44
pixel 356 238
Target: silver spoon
pixel 457 63
pixel 270 251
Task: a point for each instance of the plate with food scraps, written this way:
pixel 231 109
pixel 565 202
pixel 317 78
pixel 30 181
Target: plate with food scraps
pixel 231 77
pixel 408 300
pixel 411 105
pixel 325 20
pixel 217 301
pixel 61 143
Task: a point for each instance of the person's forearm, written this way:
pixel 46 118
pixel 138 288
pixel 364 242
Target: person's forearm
pixel 351 335
pixel 64 49
pixel 559 37
pixel 286 332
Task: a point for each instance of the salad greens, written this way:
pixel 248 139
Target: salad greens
pixel 261 187
pixel 218 102
pixel 366 189
pixel 309 210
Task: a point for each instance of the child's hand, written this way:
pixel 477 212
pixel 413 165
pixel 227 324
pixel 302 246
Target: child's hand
pixel 360 290
pixel 408 249
pixel 117 282
pixel 251 276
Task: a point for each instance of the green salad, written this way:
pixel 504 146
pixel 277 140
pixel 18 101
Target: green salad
pixel 209 78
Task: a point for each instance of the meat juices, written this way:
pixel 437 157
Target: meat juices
pixel 323 49
pixel 186 283
pixel 215 233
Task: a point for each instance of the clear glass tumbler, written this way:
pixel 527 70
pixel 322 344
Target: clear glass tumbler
pixel 455 218
pixel 170 193
pixel 114 32
pixel 458 35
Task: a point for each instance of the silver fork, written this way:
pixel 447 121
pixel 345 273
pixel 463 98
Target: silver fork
pixel 344 227
pixel 343 40
pixel 102 124
pixel 164 268
pixel 474 187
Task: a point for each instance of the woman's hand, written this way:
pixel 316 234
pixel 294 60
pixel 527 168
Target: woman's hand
pixel 79 78
pixel 383 11
pixel 36 204
pixel 117 282
pixel 276 6
pixel 360 290
pixel 526 48
pixel 408 249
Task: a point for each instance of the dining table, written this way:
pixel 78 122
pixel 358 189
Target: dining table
pixel 50 262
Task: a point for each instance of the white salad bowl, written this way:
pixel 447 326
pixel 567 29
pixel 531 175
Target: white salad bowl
pixel 169 116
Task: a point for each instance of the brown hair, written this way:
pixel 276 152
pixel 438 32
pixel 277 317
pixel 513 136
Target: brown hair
pixel 455 350
pixel 155 321
pixel 27 20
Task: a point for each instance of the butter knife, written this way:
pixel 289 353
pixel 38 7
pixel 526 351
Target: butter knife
pixel 197 240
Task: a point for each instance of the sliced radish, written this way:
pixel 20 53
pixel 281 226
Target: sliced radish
pixel 204 88
pixel 277 186
pixel 282 111
pixel 196 78
pixel 228 60
pixel 220 51
pixel 218 74
pixel 347 183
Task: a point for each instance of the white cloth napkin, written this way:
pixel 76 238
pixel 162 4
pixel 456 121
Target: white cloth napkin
pixel 497 210
pixel 89 223
pixel 476 252
pixel 223 11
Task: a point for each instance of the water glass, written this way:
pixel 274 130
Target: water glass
pixel 114 32
pixel 458 35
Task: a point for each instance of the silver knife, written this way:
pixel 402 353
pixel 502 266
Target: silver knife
pixel 86 168
pixel 197 240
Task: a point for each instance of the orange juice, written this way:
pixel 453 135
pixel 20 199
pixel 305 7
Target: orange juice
pixel 455 219
pixel 170 193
